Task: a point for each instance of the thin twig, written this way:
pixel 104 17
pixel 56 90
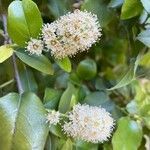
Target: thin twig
pixel 20 89
pixel 8 41
pixel 4 20
pixel 6 83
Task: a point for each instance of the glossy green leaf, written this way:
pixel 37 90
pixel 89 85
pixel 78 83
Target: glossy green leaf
pixel 59 7
pixel 82 145
pixel 143 17
pixel 129 76
pixel 75 79
pixel 87 69
pixel 145 61
pixel 5 52
pixel 68 145
pixel 146 5
pixel 27 78
pixel 51 98
pixel 52 142
pixel 99 84
pixel 115 3
pixel 107 146
pixel 147 121
pixel 62 80
pixel 131 8
pixel 144 37
pixel 48 145
pixel 142 99
pixel 127 79
pixel 145 111
pixel 128 135
pixel 99 8
pixel 96 98
pixel 64 64
pixel 40 63
pixel 57 131
pixel 102 99
pixel 22 122
pixel 64 104
pixel 132 108
pixel 24 21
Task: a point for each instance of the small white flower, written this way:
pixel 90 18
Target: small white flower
pixel 34 46
pixel 53 117
pixel 72 33
pixel 90 123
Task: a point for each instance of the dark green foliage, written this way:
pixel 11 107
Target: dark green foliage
pixel 114 74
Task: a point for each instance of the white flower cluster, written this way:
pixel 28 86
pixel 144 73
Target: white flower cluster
pixel 72 33
pixel 92 124
pixel 89 123
pixel 53 117
pixel 35 46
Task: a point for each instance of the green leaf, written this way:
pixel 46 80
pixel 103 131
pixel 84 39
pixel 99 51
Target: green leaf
pixel 143 17
pixel 107 146
pixel 146 5
pixel 59 7
pixel 87 69
pixel 74 79
pixel 147 121
pixel 62 80
pixel 40 63
pixel 129 76
pixel 49 145
pixel 64 64
pixel 96 98
pixel 52 142
pixel 64 104
pixel 82 145
pixel 51 98
pixel 68 145
pixel 99 84
pixel 24 21
pixel 145 61
pixel 102 99
pixel 144 37
pixel 5 52
pixel 115 3
pixel 131 8
pixel 142 99
pixel 128 135
pixel 132 108
pixel 27 78
pixel 57 130
pixel 22 122
pixel 127 79
pixel 99 7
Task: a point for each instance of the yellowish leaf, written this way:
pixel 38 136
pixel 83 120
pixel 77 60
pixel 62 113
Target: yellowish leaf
pixel 5 52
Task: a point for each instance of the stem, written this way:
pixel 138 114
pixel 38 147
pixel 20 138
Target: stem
pixel 8 41
pixel 17 77
pixel 4 20
pixel 6 83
